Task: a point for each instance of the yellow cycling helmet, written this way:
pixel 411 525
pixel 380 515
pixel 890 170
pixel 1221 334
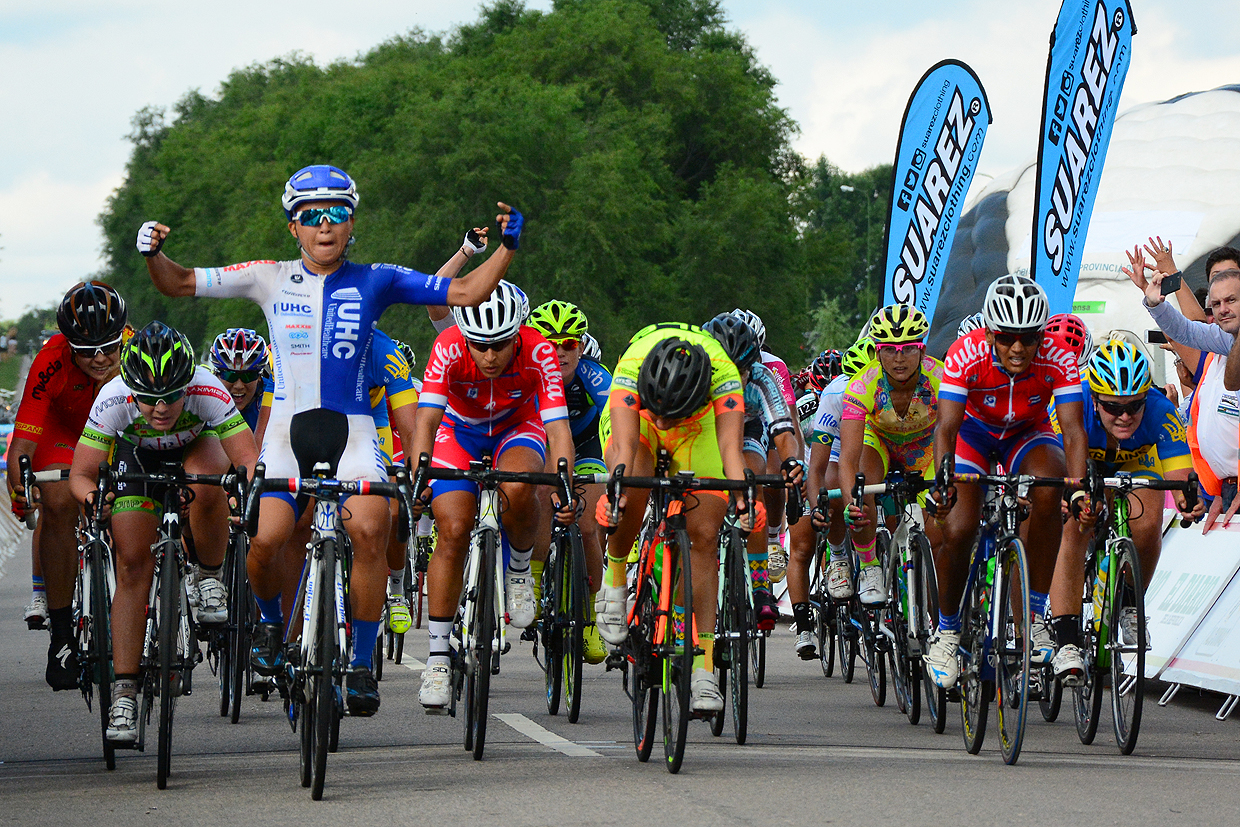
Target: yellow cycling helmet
pixel 1119 369
pixel 559 320
pixel 898 323
pixel 858 356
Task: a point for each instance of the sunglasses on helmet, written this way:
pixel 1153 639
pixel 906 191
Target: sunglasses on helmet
pixel 337 214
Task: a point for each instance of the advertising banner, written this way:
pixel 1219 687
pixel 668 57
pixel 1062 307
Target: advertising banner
pixel 1091 47
pixel 940 142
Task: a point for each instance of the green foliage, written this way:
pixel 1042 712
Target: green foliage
pixel 640 138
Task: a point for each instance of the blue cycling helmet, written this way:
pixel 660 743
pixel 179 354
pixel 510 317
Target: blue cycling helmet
pixel 238 348
pixel 318 183
pixel 1119 369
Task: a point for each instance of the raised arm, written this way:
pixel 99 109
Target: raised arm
pixel 170 278
pixel 473 288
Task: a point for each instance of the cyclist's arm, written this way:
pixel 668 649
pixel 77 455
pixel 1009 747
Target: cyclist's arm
pixel 852 439
pixel 240 448
pixel 1075 443
pixel 425 424
pixel 18 447
pixel 474 287
pixel 84 472
pixel 170 278
pixel 264 415
pixel 404 422
pixel 819 457
pixel 730 429
pixel 951 417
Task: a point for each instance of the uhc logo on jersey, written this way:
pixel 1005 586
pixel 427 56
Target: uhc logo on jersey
pixel 347 294
pixel 347 327
pixel 293 309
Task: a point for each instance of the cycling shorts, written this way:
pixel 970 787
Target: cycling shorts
pixel 978 448
pixel 589 454
pixel 694 445
pixel 362 459
pixel 914 457
pixel 128 458
pixel 55 445
pixel 457 447
pixel 756 441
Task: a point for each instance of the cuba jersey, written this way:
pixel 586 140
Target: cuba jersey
pixel 321 326
pixel 1002 403
pixel 530 387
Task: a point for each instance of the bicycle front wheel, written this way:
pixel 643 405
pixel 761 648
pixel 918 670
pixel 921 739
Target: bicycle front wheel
pixel 1127 656
pixel 98 648
pixel 1012 645
pixel 846 641
pixel 239 627
pixel 575 592
pixel 904 685
pixel 975 689
pixel 740 629
pixel 677 661
pixel 324 701
pixel 643 674
pixel 1087 698
pixel 553 631
pixel 928 617
pixel 479 677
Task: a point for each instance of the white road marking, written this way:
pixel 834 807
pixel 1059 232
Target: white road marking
pixel 412 664
pixel 546 737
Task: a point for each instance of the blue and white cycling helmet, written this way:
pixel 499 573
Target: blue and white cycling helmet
pixel 496 319
pixel 755 323
pixel 590 348
pixel 970 323
pixel 318 183
pixel 238 348
pixel 1119 369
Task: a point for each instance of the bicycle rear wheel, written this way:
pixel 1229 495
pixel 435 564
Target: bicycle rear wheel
pixel 846 641
pixel 874 657
pixel 975 691
pixel 98 648
pixel 643 671
pixel 904 685
pixel 1127 691
pixel 323 672
pixel 740 628
pixel 553 631
pixel 1051 699
pixel 168 624
pixel 575 594
pixel 1087 698
pixel 478 678
pixel 677 665
pixel 1012 653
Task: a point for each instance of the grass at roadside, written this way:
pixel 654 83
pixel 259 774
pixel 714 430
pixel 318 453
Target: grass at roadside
pixel 8 372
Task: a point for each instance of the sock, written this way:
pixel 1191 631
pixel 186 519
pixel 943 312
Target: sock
pixel 758 571
pixel 802 613
pixel 616 574
pixel 772 534
pixel 36 584
pixel 439 630
pixel 838 551
pixel 866 554
pixel 126 685
pixel 949 623
pixel 519 560
pixel 396 582
pixel 365 633
pixel 536 569
pixel 205 573
pixel 678 624
pixel 61 621
pixel 706 660
pixel 1067 629
pixel 1037 603
pixel 269 609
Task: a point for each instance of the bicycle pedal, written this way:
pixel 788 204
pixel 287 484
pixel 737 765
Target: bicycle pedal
pixel 615 660
pixel 530 634
pixel 35 624
pixel 437 710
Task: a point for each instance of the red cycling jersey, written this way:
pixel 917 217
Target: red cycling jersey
pixel 530 386
pixel 55 404
pixel 1001 402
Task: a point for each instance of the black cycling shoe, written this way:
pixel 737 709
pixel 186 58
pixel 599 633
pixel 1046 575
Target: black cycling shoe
pixel 361 691
pixel 62 665
pixel 267 650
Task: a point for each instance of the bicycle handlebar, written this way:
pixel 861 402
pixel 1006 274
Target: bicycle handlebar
pixel 320 488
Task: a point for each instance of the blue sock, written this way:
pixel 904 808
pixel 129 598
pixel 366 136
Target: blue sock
pixel 270 609
pixel 36 583
pixel 949 623
pixel 1037 603
pixel 365 632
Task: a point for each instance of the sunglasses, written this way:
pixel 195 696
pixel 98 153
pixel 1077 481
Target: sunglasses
pixel 1027 339
pixel 333 215
pixel 483 347
pixel 567 344
pixel 1118 409
pixel 239 375
pixel 168 399
pixel 905 349
pixel 91 351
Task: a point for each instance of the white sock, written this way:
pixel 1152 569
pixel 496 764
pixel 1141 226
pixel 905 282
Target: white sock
pixel 837 552
pixel 519 560
pixel 396 582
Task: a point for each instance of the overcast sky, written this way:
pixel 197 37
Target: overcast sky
pixel 76 72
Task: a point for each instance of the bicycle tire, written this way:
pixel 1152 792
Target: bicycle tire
pixel 376 657
pixel 928 598
pixel 577 590
pixel 904 687
pixel 1051 701
pixel 1127 692
pixel 757 655
pixel 874 658
pixel 1087 698
pixel 484 635
pixel 846 641
pixel 741 630
pixel 677 667
pixel 100 642
pixel 722 657
pixel 824 631
pixel 975 691
pixel 324 690
pixel 239 631
pixel 553 630
pixel 1012 656
pixel 643 670
pixel 168 625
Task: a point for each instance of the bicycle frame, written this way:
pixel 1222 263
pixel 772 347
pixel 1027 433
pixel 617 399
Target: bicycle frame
pixel 488 520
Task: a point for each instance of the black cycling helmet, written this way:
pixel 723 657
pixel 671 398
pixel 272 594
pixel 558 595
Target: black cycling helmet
pixel 157 361
pixel 674 380
pixel 825 367
pixel 91 315
pixel 739 340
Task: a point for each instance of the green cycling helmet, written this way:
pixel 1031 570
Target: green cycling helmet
pixel 559 320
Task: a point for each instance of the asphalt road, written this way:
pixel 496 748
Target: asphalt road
pixel 819 752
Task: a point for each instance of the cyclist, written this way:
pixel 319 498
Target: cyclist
pixel 161 410
pixel 492 387
pixel 674 388
pixel 586 384
pixel 970 323
pixel 238 357
pixel 62 382
pixel 1133 429
pixel 996 385
pixel 321 309
pixel 777 558
pixel 890 410
pixel 590 349
pixel 825 367
pixel 767 421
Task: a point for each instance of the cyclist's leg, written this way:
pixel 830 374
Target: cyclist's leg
pixel 874 462
pixel 208 519
pixel 1145 522
pixel 57 552
pixel 521 449
pixel 774 500
pixel 1067 586
pixel 703 523
pixel 455 503
pixel 399 619
pixel 756 547
pixel 134 523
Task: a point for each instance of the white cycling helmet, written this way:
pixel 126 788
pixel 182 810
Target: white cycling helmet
pixel 496 319
pixel 754 321
pixel 970 323
pixel 590 348
pixel 1015 303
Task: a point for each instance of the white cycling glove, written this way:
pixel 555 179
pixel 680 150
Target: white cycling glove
pixel 473 244
pixel 146 246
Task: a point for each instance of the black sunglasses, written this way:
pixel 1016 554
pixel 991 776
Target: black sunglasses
pixel 483 347
pixel 242 375
pixel 1118 409
pixel 1027 339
